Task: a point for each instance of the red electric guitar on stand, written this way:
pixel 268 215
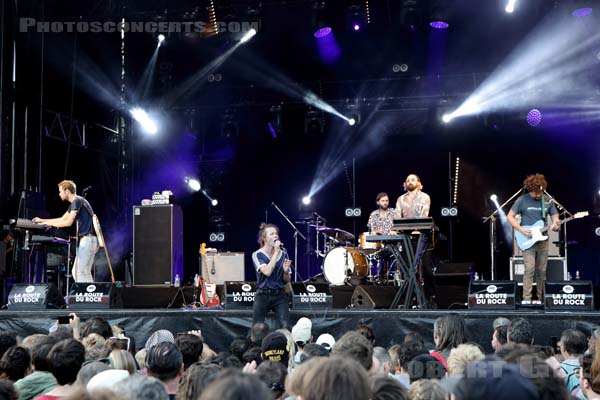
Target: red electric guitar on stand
pixel 208 291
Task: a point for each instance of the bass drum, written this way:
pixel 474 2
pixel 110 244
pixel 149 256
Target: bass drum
pixel 342 259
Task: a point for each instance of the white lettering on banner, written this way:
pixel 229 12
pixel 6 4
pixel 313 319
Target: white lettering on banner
pixel 246 297
pixel 568 302
pixel 492 301
pixel 313 295
pixel 27 298
pixel 313 300
pixel 491 296
pixel 88 297
pixel 568 296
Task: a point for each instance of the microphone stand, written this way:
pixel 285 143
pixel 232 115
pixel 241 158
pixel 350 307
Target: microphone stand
pixel 492 219
pixel 296 234
pixel 562 209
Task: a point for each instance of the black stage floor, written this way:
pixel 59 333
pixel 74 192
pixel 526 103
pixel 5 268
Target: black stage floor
pixel 219 327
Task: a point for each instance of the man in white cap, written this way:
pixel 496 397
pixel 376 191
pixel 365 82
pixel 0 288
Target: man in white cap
pixel 302 335
pixel 326 340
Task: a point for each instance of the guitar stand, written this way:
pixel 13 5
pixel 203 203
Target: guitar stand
pixel 181 293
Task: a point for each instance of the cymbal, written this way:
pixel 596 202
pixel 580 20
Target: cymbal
pixel 337 233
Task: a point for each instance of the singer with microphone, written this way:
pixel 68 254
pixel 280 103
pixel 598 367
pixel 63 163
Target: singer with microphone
pixel 534 206
pixel 80 211
pixel 273 273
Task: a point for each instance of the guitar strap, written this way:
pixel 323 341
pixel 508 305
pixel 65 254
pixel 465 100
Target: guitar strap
pixel 543 210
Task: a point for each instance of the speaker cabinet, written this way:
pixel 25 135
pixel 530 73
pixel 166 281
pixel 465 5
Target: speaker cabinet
pixel 157 244
pixel 225 267
pixel 369 296
pixel 35 297
pixel 555 271
pixel 96 295
pixel 452 284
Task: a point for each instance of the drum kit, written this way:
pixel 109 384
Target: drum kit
pixel 344 263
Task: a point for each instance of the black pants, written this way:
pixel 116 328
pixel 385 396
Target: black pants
pixel 426 265
pixel 271 299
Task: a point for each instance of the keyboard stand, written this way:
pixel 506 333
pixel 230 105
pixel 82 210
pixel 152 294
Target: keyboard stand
pixel 409 264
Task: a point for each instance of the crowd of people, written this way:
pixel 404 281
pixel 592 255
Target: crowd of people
pixel 94 360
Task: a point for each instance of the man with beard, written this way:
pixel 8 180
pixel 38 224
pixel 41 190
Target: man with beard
pixel 415 204
pixel 382 219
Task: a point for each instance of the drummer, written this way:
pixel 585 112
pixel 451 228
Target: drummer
pixel 382 219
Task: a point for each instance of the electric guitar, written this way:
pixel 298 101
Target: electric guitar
pixel 209 290
pixel 538 229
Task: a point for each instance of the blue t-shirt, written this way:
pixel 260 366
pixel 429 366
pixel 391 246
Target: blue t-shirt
pixel 84 217
pixel 275 281
pixel 531 210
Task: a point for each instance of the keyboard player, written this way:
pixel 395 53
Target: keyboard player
pixel 81 213
pixel 415 204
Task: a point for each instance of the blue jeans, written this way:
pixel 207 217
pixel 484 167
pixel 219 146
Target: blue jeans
pixel 82 267
pixel 271 299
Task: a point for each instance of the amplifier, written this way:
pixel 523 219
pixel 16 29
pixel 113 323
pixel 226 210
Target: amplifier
pixel 239 295
pixel 491 295
pixel 311 296
pixel 569 295
pixel 224 267
pixel 93 296
pixel 555 271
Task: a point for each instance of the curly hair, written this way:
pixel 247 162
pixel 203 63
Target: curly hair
pixel 535 182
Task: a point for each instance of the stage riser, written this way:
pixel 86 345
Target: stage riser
pixel 220 327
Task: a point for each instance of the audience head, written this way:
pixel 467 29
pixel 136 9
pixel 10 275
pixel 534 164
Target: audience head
pixel 367 332
pixel 408 352
pixel 33 341
pixel 95 346
pixel 226 360
pixel 239 346
pixel 386 388
pixel 122 359
pixel 195 379
pixel 414 337
pixel 494 379
pixel 88 371
pixel 573 343
pixel 275 347
pixel 326 340
pixel 425 366
pixel 302 331
pixel 232 384
pixel 461 356
pixel 39 354
pixel 384 361
pixel 336 378
pixel 354 345
pixel 589 376
pixel 273 374
pixel 499 337
pixel 313 350
pixel 519 331
pixel 7 340
pixel 161 335
pixel 15 363
pixel 65 360
pixel 164 361
pixel 8 391
pixel 252 354
pixel 500 321
pixel 190 347
pixel 106 379
pixel 449 332
pixel 427 389
pixel 96 325
pixel 258 332
pixel 141 387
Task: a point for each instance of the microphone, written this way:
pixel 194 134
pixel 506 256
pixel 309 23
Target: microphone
pixel 280 245
pixel 87 189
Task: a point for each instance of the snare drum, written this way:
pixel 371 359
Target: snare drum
pixel 368 247
pixel 339 260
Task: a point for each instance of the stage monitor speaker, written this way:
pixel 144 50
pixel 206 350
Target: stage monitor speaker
pixel 569 296
pixel 34 297
pixel 311 296
pixel 224 267
pixel 157 245
pixel 492 295
pixel 371 296
pixel 342 296
pixel 93 296
pixel 239 295
pixel 452 284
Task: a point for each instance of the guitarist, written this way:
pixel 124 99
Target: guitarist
pixel 534 206
pixel 272 272
pixel 80 211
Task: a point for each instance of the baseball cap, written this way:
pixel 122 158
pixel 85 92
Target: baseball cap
pixel 275 348
pixel 301 332
pixel 326 340
pixel 501 321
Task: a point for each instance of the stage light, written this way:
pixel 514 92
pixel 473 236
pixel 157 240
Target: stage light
pixel 351 121
pixel 449 212
pixel 214 202
pixel 216 237
pixel 306 200
pixel 248 35
pixel 439 24
pixel 510 6
pixel 193 183
pixel 144 120
pixel 597 231
pixel 582 12
pixel 534 117
pixel 161 38
pixel 446 118
pixel 356 27
pixel 494 198
pixel 322 32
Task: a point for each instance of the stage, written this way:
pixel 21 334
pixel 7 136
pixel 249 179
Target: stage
pixel 219 327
